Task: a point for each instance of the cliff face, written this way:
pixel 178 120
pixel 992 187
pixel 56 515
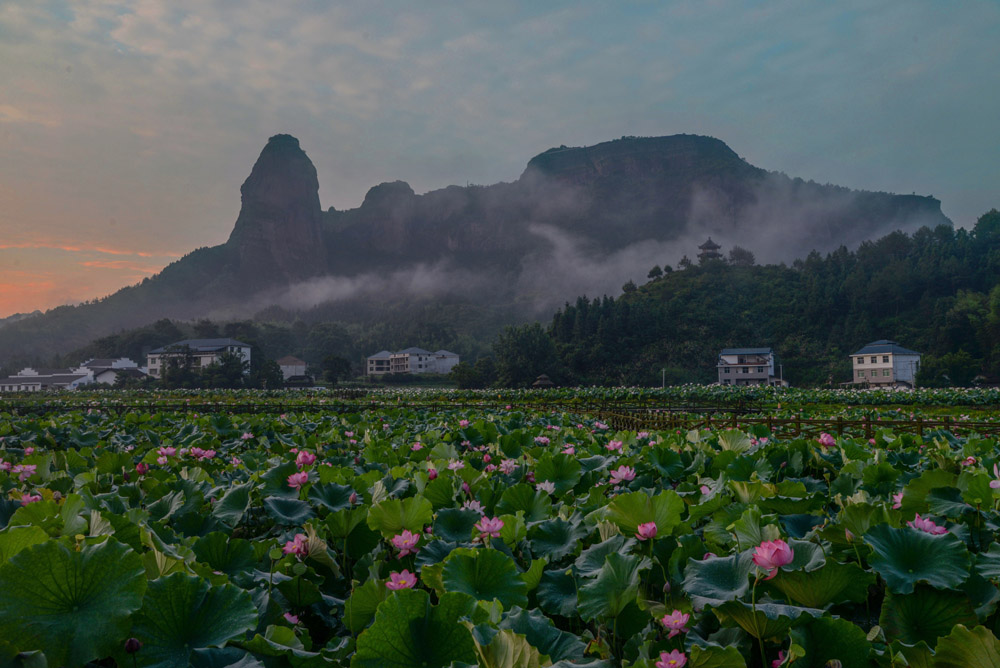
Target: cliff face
pixel 278 234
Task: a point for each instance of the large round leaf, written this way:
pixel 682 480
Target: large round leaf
pixel 555 538
pixel 557 593
pixel 233 505
pixel 715 580
pixel 616 585
pixel 393 515
pixel 904 557
pixel 455 524
pixel 181 613
pixel 225 554
pixel 562 470
pixel 409 632
pixel 485 574
pixel 963 648
pixel 289 512
pixel 542 633
pixel 628 511
pixel 926 614
pixel 765 620
pixel 591 560
pixel 537 506
pixel 73 605
pixel 331 496
pixel 833 582
pixel 826 638
pixel 360 608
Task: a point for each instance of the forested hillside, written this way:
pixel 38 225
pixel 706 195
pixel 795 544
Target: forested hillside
pixel 937 292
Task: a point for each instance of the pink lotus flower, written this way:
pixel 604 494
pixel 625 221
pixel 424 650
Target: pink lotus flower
pixel 488 526
pixel 304 459
pixel 30 498
pixel 201 455
pixel 600 425
pixel 487 458
pixel 827 440
pixel 926 525
pixel 473 504
pixel 432 474
pixel 642 435
pixel 353 498
pixel 780 660
pixel 29 451
pixel 569 450
pixel 296 480
pixel 235 461
pixel 246 436
pixel 167 451
pixel 417 446
pixel 672 659
pixel 622 474
pixel 463 423
pixel 646 531
pixel 546 486
pixel 614 446
pixel 348 434
pixel 995 484
pixel 897 501
pixel 292 619
pixel 5 466
pixel 406 543
pixel 968 461
pixel 161 460
pixel 530 476
pixel 772 555
pixel 676 621
pixel 456 464
pixel 705 489
pixel 542 440
pixel 404 580
pixel 24 471
pixel 299 546
pixel 141 468
pixel 507 466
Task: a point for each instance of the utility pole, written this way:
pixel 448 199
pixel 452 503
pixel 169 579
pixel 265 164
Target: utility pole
pixel 663 378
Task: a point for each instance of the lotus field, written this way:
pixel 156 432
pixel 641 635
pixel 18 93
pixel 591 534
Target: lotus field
pixel 499 538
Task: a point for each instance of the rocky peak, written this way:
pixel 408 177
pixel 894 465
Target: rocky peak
pixel 279 230
pixel 388 195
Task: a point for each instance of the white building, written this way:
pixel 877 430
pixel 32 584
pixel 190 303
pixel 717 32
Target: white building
pixel 202 351
pixel 885 362
pixel 93 371
pixel 291 366
pixel 411 360
pixel 747 366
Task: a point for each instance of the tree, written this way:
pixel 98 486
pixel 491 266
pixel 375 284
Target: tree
pixel 654 273
pixel 629 287
pixel 178 370
pixel 741 257
pixel 336 368
pixel 522 354
pixel 685 263
pixel 228 371
pixel 474 377
pixel 267 375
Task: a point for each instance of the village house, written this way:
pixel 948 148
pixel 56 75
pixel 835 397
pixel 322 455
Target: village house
pixel 411 360
pixel 291 366
pixel 202 351
pixel 92 371
pixel 885 363
pixel 747 366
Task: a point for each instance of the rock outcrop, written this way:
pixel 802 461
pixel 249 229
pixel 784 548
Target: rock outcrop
pixel 278 237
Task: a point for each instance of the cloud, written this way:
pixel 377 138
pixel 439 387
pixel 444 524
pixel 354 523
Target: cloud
pixel 86 248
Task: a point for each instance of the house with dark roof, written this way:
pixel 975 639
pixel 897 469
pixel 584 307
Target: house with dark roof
pixel 291 366
pixel 885 363
pixel 31 379
pixel 378 364
pixel 202 352
pixel 747 366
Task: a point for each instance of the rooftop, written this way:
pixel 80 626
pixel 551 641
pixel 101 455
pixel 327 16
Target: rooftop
pixel 745 351
pixel 203 345
pixel 885 346
pixel 288 360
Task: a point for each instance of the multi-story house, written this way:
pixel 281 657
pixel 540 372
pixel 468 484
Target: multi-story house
pixel 410 360
pixel 202 351
pixel 747 366
pixel 885 362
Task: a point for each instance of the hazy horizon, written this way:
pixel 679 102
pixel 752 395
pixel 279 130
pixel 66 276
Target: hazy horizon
pixel 128 127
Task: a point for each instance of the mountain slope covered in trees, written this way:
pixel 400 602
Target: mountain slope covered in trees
pixel 937 292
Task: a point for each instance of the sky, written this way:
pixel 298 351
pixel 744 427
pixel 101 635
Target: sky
pixel 126 128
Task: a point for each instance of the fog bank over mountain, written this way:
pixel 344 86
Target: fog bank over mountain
pixel 577 221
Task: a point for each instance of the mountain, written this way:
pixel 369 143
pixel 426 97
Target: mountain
pixel 576 221
pixel 17 317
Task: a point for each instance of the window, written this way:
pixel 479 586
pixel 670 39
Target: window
pixel 885 372
pixel 874 359
pixel 726 370
pixel 885 359
pixel 760 369
pixel 861 374
pixel 746 369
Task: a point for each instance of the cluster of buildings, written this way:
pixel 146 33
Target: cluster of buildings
pixel 108 371
pixel 881 363
pixel 410 360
